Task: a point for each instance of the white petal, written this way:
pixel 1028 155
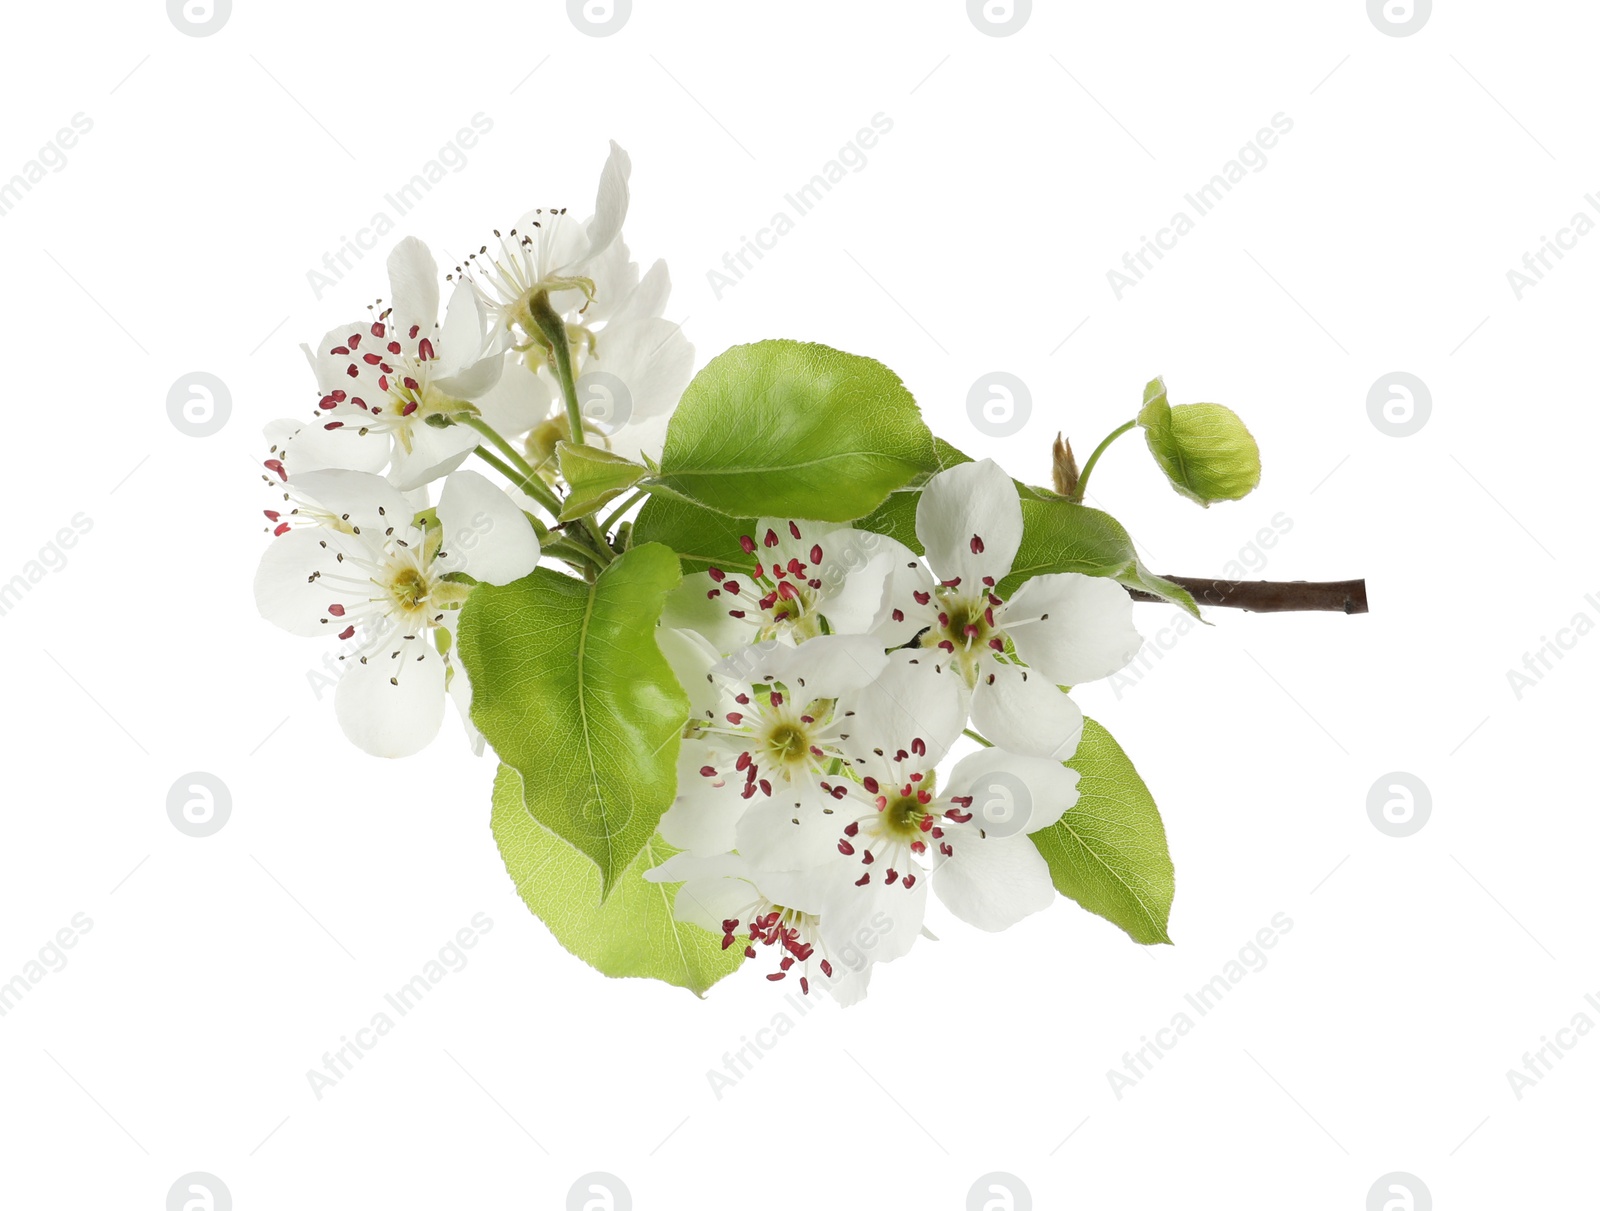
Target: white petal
pixel 648 299
pixel 463 340
pixel 485 534
pixel 708 901
pixel 414 283
pixel 287 593
pixel 973 505
pixel 877 923
pixel 789 831
pixel 1026 713
pixel 1078 628
pixel 518 401
pixel 993 882
pixel 434 452
pixel 1013 794
pixel 611 201
pixel 313 448
pixel 828 666
pixel 398 717
pixel 702 818
pixel 692 659
pixel 910 700
pixel 369 502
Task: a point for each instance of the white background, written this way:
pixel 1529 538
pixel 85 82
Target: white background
pixel 978 237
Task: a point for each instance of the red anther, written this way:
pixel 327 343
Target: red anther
pixel 925 824
pixel 409 408
pixel 394 346
pixel 424 350
pixel 731 586
pixel 863 880
pixel 727 941
pixel 998 644
pixel 922 598
pixel 944 848
pixel 796 568
pixel 411 384
pixel 805 987
pixel 283 528
pixel 716 574
pixel 866 857
pixel 869 784
pixel 708 771
pixel 827 968
pixel 744 760
pixel 334 424
pixel 918 747
pixel 908 881
pixel 749 952
pixel 816 553
pixel 347 632
pixel 891 875
pixel 340 351
pixel 947 646
pixel 766 787
pixel 327 403
pixel 795 531
pixel 747 544
pixel 735 718
pixel 770 539
pixel 775 697
pixel 415 328
pixel 743 699
pixel 976 545
pixel 336 610
pixel 274 465
pixel 352 370
pixel 846 848
pixel 776 975
pixel 735 613
pixel 372 359
pixel 898 615
pixel 377 330
pixel 852 828
pixel 713 594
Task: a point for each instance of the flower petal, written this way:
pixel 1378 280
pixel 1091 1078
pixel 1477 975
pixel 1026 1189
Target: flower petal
pixel 610 203
pixel 391 703
pixel 969 522
pixel 1013 794
pixel 1078 628
pixel 993 882
pixel 1026 713
pixel 288 589
pixel 910 700
pixel 414 283
pixel 485 534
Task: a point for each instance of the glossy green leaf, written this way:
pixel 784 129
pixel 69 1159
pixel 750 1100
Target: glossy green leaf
pixel 702 537
pixel 594 476
pixel 1060 536
pixel 1109 851
pixel 569 687
pixel 786 429
pixel 632 932
pixel 1207 453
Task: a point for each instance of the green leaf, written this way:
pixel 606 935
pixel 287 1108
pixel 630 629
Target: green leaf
pixel 631 932
pixel 1109 851
pixel 785 429
pixel 1061 536
pixel 594 476
pixel 570 688
pixel 1207 453
pixel 701 537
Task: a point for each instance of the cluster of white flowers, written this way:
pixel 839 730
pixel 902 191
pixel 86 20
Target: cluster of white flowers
pixel 365 548
pixel 832 674
pixel 830 682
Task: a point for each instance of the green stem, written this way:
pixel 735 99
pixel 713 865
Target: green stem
pixel 554 329
pixel 519 472
pixel 1083 479
pixel 605 526
pixel 967 731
